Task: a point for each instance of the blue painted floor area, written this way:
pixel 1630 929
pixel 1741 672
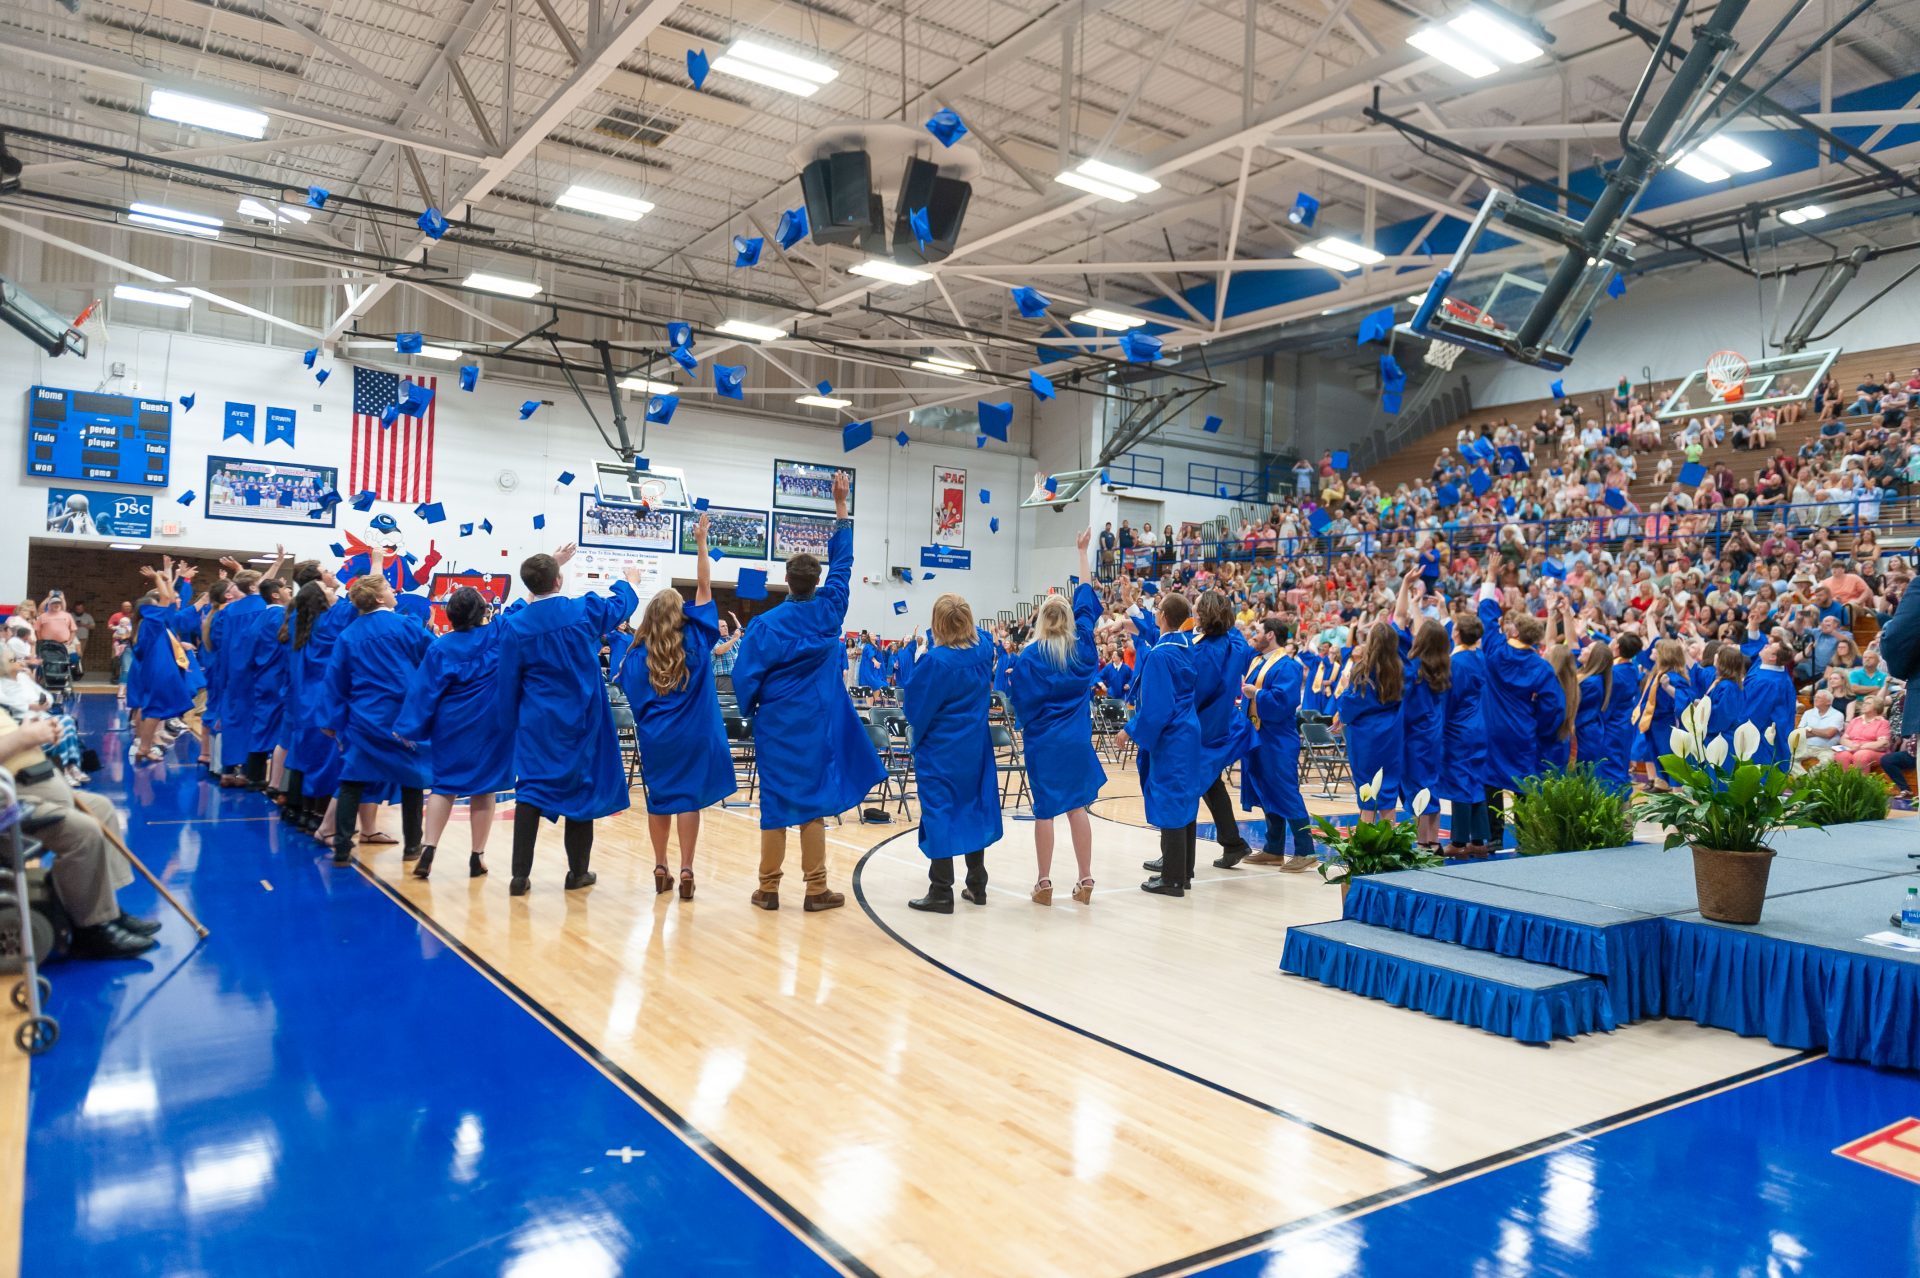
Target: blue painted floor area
pixel 322 1087
pixel 1742 1183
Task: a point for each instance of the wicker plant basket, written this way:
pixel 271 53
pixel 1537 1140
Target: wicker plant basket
pixel 1732 886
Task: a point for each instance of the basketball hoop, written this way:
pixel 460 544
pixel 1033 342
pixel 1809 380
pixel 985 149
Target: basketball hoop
pixel 1468 313
pixel 1442 355
pixel 1727 376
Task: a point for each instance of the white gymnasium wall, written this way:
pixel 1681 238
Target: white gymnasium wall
pixel 728 459
pixel 1667 326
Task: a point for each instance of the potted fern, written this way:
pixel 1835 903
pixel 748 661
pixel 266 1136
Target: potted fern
pixel 1372 847
pixel 1725 806
pixel 1845 794
pixel 1570 811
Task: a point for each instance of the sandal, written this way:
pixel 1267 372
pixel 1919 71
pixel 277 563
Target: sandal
pixel 380 837
pixel 1043 892
pixel 1083 891
pixel 686 885
pixel 662 881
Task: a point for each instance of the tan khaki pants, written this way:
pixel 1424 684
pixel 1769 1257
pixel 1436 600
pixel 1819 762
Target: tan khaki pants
pixel 813 857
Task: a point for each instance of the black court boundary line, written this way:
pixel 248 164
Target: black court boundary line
pixel 769 1200
pixel 860 895
pixel 1469 1170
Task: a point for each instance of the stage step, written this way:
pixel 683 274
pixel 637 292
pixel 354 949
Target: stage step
pixel 1529 1002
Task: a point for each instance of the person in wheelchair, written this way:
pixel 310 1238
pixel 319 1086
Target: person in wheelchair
pixel 22 695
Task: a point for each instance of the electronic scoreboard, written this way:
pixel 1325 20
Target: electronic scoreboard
pixel 86 435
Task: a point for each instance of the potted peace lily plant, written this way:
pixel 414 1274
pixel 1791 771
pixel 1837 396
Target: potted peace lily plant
pixel 1725 805
pixel 1372 847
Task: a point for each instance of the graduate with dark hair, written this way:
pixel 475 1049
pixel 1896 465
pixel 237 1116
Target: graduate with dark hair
pixel 1220 660
pixel 1465 776
pixel 1270 777
pixel 453 691
pixel 1525 703
pixel 1166 728
pixel 812 751
pixel 667 674
pixel 553 705
pixel 157 681
pixel 1426 652
pixel 947 699
pixel 1770 702
pixel 266 657
pixel 367 680
pixel 230 681
pixel 1369 702
pixel 313 763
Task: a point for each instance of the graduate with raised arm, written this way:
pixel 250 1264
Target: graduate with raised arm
pixel 367 680
pixel 1051 680
pixel 811 749
pixel 157 684
pixel 321 758
pixel 1116 676
pixel 229 685
pixel 553 704
pixel 1524 703
pixel 1220 660
pixel 1426 655
pixel 947 699
pixel 873 666
pixel 667 674
pixel 1270 777
pixel 455 689
pixel 1167 730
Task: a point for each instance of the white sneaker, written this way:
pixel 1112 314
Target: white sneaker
pixel 75 776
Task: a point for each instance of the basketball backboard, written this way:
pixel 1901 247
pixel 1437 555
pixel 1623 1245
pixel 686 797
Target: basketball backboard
pixel 1067 486
pixel 657 488
pixel 1779 379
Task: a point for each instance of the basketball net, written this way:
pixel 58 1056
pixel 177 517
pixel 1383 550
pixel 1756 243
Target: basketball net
pixel 92 325
pixel 1727 376
pixel 1442 355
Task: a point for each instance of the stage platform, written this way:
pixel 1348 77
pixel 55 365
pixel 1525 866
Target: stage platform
pixel 1621 927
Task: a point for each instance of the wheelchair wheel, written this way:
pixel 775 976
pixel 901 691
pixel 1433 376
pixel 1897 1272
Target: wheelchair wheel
pixel 20 992
pixel 37 1034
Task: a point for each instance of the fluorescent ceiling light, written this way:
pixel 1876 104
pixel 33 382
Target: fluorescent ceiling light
pixel 133 293
pixel 1805 213
pixel 1441 45
pixel 1723 150
pixel 205 113
pixel 1700 168
pixel 1094 186
pixel 1100 317
pixel 773 68
pixel 585 199
pixel 1126 179
pixel 174 220
pixel 646 387
pixel 284 213
pixel 944 366
pixel 1328 260
pixel 439 352
pixel 1337 254
pixel 125 545
pixel 823 401
pixel 751 331
pixel 1495 35
pixel 879 268
pixel 502 284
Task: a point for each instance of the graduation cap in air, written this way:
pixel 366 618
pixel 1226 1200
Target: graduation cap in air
pixel 701 503
pixel 683 356
pixel 995 418
pixel 1515 456
pixel 1150 587
pixel 1212 425
pixel 697 67
pixel 752 584
pixel 679 336
pixel 528 408
pixel 1551 567
pixel 1615 499
pixel 186 403
pixel 716 554
pixel 364 499
pixel 415 398
pixel 986 496
pixel 384 522
pixel 906 575
pixel 565 477
pixel 329 499
pixel 824 386
pixel 1617 286
pixel 539 522
pixel 1559 389
pixel 389 415
pixel 901 439
pixel 339 551
pixel 466 530
pixel 791 229
pixel 1052 485
pixel 1692 475
pixel 317 197
pixel 407 343
pixel 1375 325
pixel 946 125
pixel 922 227
pixel 1039 385
pixel 979 441
pixel 1031 301
pixel 1318 519
pixel 746 250
pixel 469 376
pixel 1305 209
pixel 1392 376
pixel 1390 401
pixel 432 223
pixel 1447 495
pixel 640 463
pixel 486 525
pixel 993 525
pixel 431 511
pixel 899 607
pixel 308 356
pixel 321 375
pixel 728 379
pixel 188 497
pixel 1340 459
pixel 660 408
pixel 854 434
pixel 1140 348
pixel 1479 482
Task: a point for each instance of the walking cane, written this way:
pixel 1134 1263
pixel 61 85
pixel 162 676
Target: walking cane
pixel 192 922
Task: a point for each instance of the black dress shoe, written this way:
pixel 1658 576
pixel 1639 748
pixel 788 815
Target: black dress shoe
pixel 476 867
pixel 977 895
pixel 424 866
pixel 586 878
pixel 137 925
pixel 517 887
pixel 1162 887
pixel 1230 857
pixel 1153 866
pixel 938 900
pixel 108 941
pixel 342 853
pixel 409 854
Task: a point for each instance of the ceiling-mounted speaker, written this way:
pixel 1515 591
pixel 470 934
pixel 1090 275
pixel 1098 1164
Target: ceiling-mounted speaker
pixel 836 166
pixel 924 186
pixel 840 199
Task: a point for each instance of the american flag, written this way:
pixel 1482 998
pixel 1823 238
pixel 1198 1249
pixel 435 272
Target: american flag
pixel 395 462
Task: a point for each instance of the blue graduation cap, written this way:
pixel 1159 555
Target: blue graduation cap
pixel 317 197
pixel 1481 447
pixel 416 398
pixel 389 415
pixel 339 551
pixel 1617 286
pixel 1551 567
pixel 946 125
pixel 407 343
pixel 321 375
pixel 539 522
pixel 566 477
pixel 1212 425
pixel 1516 457
pixel 486 525
pixel 1479 481
pixel 899 607
pixel 1447 495
pixel 697 67
pixel 1559 389
pixel 679 336
pixel 746 250
pixel 1615 499
pixel 986 496
pixel 1151 587
pixel 1041 386
pixel 1375 325
pixel 469 376
pixel 309 355
pixel 1318 519
pixel 1340 459
pixel 640 463
pixel 432 223
pixel 384 522
pixel 528 408
pixel 683 356
pixel 906 575
pixel 660 408
pixel 1392 376
pixel 791 229
pixel 1508 505
pixel 1692 475
pixel 701 503
pixel 1052 485
pixel 824 386
pixel 995 418
pixel 716 554
pixel 329 499
pixel 926 576
pixel 1305 209
pixel 1140 348
pixel 1390 401
pixel 728 379
pixel 188 497
pixel 854 434
pixel 431 511
pixel 1031 302
pixel 922 227
pixel 1223 490
pixel 364 499
pixel 466 530
pixel 979 441
pixel 901 439
pixel 993 525
pixel 186 403
pixel 471 572
pixel 752 584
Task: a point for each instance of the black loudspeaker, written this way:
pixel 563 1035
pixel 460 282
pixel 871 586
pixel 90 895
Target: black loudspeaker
pixel 840 201
pixel 945 200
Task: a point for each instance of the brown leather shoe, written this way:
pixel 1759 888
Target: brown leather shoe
pixel 1265 858
pixel 824 901
pixel 767 900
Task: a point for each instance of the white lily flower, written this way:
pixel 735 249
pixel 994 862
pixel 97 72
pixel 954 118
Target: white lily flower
pixel 1795 740
pixel 1717 751
pixel 1420 802
pixel 1681 742
pixel 1367 791
pixel 1746 741
pixel 1697 716
pixel 1770 734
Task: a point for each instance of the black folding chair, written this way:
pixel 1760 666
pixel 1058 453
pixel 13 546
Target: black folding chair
pixel 627 732
pixel 746 773
pixel 1321 752
pixel 1011 765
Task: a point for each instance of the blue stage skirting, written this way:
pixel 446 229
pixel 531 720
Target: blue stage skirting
pixel 1528 1016
pixel 1857 1007
pixel 1625 956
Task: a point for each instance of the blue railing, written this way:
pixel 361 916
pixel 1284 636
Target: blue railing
pixel 1232 482
pixel 1138 470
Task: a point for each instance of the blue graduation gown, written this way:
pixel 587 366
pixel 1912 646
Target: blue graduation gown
pixel 1423 729
pixel 1772 703
pixel 1219 665
pixel 811 748
pixel 449 712
pixel 267 671
pixel 1599 730
pixel 1003 671
pixel 684 761
pixel 1116 676
pixel 1373 742
pixel 157 685
pixel 367 680
pixel 1702 677
pixel 1270 777
pixel 1657 712
pixel 1465 771
pixel 1167 731
pixel 233 638
pixel 900 664
pixel 1056 716
pixel 185 624
pixel 1524 703
pixel 553 702
pixel 946 702
pixel 312 753
pixel 873 668
pixel 1728 711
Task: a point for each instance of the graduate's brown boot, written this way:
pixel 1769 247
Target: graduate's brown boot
pixel 824 900
pixel 766 899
